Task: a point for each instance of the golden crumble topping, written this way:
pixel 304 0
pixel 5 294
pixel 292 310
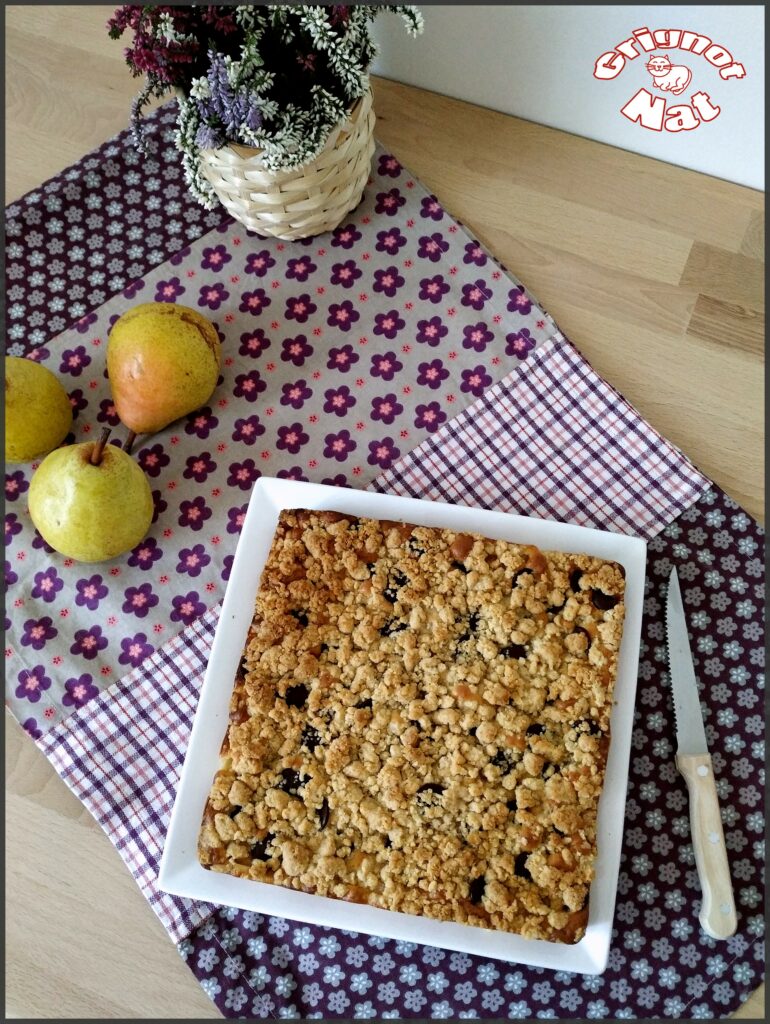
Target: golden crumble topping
pixel 420 722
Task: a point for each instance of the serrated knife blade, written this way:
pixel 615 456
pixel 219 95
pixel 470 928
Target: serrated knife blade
pixel 717 917
pixel 690 733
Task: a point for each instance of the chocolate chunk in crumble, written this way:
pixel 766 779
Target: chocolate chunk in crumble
pixel 591 727
pixel 470 629
pixel 431 787
pixel 574 580
pixel 520 866
pixel 396 582
pixel 514 651
pixel 476 889
pixel 259 849
pixel 391 627
pixel 311 737
pixel 291 781
pixel 297 695
pixel 323 814
pixel 502 760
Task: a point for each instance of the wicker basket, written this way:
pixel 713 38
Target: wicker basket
pixel 302 202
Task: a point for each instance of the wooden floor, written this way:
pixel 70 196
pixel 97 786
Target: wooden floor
pixel 656 273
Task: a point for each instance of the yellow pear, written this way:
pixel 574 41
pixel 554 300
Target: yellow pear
pixel 163 362
pixel 90 501
pixel 38 413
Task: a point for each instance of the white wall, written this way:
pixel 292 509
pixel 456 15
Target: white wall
pixel 537 62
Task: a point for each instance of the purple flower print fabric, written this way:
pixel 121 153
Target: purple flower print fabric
pixel 92 231
pixel 339 354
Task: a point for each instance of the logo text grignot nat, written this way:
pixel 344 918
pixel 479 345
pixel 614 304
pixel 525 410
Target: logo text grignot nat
pixel 651 111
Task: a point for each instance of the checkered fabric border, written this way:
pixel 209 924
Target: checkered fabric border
pixel 122 754
pixel 552 439
pixel 557 442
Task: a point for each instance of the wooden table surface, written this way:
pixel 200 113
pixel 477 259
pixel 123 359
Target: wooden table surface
pixel 655 272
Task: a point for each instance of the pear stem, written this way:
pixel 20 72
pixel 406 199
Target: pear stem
pixel 98 449
pixel 129 442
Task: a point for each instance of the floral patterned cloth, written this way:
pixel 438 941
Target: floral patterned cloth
pixel 93 229
pixel 339 354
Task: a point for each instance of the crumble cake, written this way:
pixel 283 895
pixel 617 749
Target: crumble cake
pixel 420 722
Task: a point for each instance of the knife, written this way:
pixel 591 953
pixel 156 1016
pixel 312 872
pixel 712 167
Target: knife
pixel 717 917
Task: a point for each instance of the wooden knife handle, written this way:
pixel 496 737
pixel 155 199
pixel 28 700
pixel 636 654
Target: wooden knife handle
pixel 717 917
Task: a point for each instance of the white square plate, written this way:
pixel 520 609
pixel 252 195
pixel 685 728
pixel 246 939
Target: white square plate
pixel 180 872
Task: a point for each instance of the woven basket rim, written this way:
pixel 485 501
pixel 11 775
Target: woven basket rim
pixel 296 202
pixel 245 152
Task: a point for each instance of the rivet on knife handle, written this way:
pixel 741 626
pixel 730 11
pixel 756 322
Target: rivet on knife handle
pixel 717 917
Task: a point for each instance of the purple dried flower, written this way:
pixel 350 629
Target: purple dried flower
pixel 208 137
pixel 253 117
pixel 303 81
pixel 234 108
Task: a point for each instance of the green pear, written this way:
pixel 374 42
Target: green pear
pixel 90 501
pixel 38 413
pixel 163 362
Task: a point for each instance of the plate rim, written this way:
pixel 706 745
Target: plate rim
pixel 180 872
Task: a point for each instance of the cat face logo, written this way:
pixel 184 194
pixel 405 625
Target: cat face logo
pixel 668 77
pixel 650 111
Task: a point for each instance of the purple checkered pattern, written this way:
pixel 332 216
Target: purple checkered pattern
pixel 557 442
pixel 122 754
